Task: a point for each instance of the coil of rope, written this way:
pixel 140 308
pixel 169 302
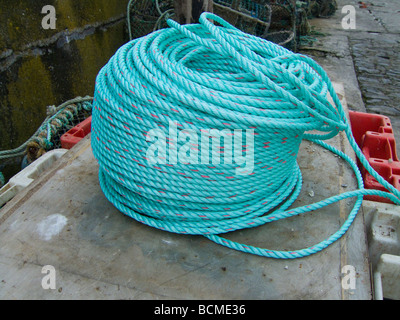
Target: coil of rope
pixel 213 76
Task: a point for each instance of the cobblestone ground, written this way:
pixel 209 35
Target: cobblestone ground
pixel 377 64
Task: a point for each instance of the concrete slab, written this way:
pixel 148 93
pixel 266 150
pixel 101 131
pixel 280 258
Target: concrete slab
pixel 64 220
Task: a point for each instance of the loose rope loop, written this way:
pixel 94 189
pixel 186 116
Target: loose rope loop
pixel 177 84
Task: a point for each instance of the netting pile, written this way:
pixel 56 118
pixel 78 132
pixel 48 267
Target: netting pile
pixel 271 20
pixel 47 137
pixel 146 16
pixel 284 22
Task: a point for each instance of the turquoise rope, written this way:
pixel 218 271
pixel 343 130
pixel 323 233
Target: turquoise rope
pixel 204 76
pixel 2 179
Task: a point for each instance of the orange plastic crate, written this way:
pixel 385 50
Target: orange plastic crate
pixel 374 135
pixel 76 134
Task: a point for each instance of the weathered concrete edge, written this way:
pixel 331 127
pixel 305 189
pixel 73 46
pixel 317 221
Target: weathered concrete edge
pixel 23 196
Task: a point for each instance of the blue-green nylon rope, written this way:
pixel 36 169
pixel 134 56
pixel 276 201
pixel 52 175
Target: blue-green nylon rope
pixel 213 76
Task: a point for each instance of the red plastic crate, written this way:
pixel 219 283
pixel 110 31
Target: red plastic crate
pixel 374 135
pixel 76 134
